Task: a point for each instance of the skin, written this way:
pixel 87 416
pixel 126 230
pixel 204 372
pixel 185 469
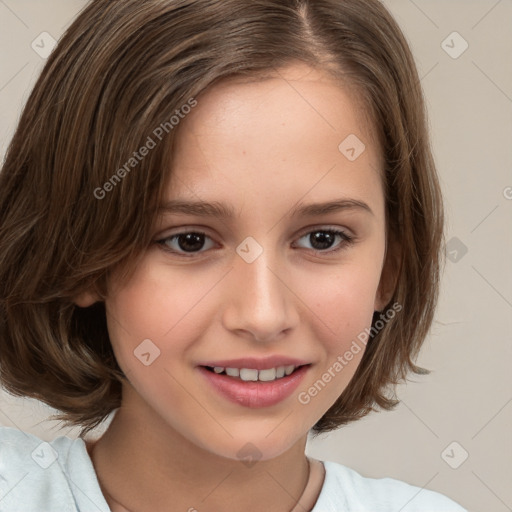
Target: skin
pixel 259 147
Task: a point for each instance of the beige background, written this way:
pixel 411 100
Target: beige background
pixel 468 397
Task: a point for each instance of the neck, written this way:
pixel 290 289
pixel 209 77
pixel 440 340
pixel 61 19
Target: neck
pixel 139 472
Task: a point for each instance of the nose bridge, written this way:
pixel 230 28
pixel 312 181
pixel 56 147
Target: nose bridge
pixel 259 300
pixel 260 277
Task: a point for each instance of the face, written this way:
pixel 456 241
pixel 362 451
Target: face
pixel 269 280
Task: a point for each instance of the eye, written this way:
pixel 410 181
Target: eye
pixel 188 243
pixel 322 239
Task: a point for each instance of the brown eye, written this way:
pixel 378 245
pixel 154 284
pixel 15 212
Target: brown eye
pixel 322 240
pixel 190 242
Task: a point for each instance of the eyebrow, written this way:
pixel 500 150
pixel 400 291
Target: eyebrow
pixel 216 209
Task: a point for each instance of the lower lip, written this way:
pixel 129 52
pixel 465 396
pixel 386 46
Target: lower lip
pixel 254 394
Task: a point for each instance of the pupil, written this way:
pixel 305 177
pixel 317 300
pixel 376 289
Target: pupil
pixel 324 238
pixel 193 241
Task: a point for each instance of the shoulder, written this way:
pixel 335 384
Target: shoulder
pixel 344 487
pixel 22 450
pixel 37 475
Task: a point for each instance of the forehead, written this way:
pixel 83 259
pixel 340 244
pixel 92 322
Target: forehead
pixel 286 131
pixel 285 96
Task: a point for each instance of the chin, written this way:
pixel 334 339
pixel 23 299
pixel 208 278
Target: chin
pixel 253 444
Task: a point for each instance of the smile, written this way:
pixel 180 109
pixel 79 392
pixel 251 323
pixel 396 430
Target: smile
pixel 247 387
pixel 250 374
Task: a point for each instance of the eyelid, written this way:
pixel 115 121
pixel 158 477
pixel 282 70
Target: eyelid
pixel 325 227
pixel 193 228
pixel 348 238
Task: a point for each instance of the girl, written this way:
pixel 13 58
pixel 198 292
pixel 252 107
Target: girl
pixel 221 220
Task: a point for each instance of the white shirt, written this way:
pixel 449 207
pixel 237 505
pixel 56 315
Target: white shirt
pixel 36 476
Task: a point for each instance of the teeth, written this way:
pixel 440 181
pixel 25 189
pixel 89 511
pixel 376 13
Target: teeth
pixel 233 372
pixel 246 374
pixel 289 369
pixel 249 374
pixel 267 375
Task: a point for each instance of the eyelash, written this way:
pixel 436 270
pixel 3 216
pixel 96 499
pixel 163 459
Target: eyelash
pixel 346 241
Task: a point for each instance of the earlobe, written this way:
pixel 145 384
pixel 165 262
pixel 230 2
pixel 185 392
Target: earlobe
pixel 86 299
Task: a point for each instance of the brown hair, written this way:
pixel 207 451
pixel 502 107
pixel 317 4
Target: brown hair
pixel 121 70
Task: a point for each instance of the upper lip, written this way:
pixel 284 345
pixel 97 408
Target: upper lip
pixel 256 363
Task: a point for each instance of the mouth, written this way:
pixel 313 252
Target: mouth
pixel 254 388
pixel 254 375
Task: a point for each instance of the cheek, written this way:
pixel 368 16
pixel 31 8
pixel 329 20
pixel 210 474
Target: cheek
pixel 343 298
pixel 157 302
pixel 343 311
pixel 343 303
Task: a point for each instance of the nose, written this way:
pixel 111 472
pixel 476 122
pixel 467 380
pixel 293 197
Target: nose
pixel 259 303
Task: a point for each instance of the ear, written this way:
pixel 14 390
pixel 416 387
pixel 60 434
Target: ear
pixel 389 275
pixel 86 299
